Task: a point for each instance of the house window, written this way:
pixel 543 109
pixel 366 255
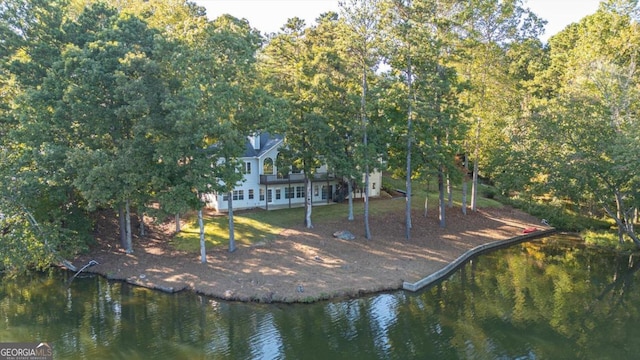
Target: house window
pixel 261 194
pixel 373 186
pixel 288 193
pixel 278 193
pixel 225 197
pixel 299 191
pixel 315 190
pixel 327 192
pixel 238 194
pixel 247 168
pixel 250 195
pixel 267 166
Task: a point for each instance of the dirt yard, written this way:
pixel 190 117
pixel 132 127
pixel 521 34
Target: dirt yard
pixel 303 265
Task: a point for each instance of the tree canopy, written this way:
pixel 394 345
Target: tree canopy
pixel 143 106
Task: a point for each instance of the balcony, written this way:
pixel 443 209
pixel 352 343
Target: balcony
pixel 293 178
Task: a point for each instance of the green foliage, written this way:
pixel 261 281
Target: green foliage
pixel 607 239
pixel 488 192
pixel 589 130
pixel 556 214
pixel 27 244
pixel 112 106
pixel 149 102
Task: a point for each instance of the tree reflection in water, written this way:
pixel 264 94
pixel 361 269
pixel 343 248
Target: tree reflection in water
pixel 545 299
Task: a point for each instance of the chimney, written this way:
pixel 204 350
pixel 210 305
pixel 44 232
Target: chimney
pixel 255 141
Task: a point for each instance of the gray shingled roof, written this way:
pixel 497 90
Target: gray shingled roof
pixel 267 141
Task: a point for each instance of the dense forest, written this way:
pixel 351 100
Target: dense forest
pixel 143 106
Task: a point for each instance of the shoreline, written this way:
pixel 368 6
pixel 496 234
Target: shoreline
pixel 309 265
pixel 462 259
pixel 425 282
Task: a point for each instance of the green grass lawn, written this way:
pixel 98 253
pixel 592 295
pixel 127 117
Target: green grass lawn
pixel 216 228
pixel 254 226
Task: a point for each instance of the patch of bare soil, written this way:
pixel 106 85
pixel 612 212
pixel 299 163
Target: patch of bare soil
pixel 303 264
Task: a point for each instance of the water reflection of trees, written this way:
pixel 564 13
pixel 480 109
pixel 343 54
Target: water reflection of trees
pixel 539 300
pixel 535 300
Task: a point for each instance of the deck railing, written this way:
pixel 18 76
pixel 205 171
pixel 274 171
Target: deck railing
pixel 293 178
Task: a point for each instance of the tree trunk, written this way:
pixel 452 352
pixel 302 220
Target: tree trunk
pixel 367 230
pixel 365 141
pixel 350 192
pixel 630 220
pixel 621 223
pixel 123 227
pixel 203 251
pixel 409 145
pixel 177 223
pixel 474 187
pixel 474 184
pixel 307 202
pixel 620 215
pixel 407 199
pixel 143 230
pixel 289 190
pixel 441 202
pixel 129 247
pixel 232 240
pixel 426 204
pixel 449 192
pixel 464 185
pixel 329 195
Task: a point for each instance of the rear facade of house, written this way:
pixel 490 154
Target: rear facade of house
pixel 267 188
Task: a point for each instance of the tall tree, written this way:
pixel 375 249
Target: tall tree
pixel 489 25
pixel 111 93
pixel 33 146
pixel 591 127
pixel 340 103
pixel 363 23
pixel 423 63
pixel 293 71
pixel 513 156
pixel 235 100
pixel 399 52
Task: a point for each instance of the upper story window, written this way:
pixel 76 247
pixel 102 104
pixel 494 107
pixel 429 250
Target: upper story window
pixel 267 166
pixel 247 167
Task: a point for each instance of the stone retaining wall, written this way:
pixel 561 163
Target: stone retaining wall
pixel 451 267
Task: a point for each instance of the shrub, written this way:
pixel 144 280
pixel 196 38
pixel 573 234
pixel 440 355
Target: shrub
pixel 607 239
pixel 557 215
pixel 488 192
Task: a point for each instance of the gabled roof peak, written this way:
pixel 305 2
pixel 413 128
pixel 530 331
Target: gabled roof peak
pixel 257 145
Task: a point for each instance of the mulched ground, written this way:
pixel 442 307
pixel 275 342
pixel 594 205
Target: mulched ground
pixel 303 265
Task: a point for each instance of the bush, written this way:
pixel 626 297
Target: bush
pixel 607 239
pixel 488 192
pixel 557 215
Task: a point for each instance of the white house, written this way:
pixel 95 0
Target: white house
pixel 264 188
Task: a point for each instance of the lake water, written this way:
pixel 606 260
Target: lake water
pixel 546 299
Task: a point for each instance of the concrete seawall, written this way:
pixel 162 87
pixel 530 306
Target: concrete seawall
pixel 451 267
